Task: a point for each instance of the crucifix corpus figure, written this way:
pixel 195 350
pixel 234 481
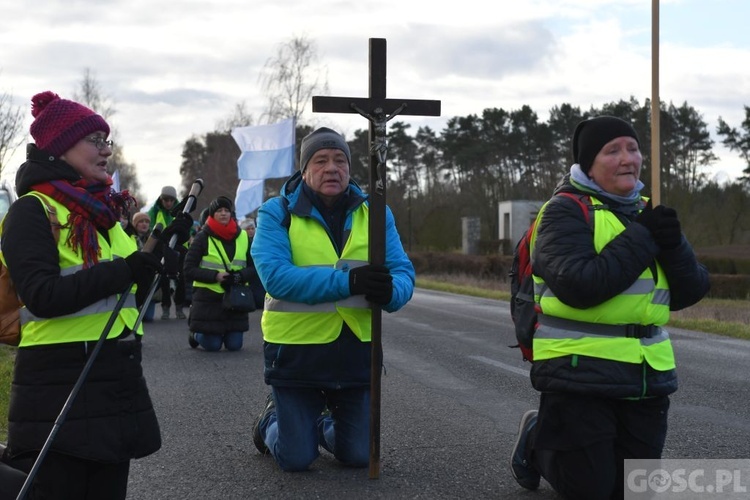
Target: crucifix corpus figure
pixel 378 111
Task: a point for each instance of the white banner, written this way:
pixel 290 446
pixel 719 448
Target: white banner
pixel 267 150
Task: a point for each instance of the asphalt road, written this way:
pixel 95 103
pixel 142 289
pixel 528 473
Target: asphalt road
pixel 452 397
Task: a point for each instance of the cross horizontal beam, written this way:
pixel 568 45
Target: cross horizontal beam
pixel 414 107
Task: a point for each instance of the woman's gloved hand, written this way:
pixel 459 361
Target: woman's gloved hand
pixel 143 267
pixel 180 226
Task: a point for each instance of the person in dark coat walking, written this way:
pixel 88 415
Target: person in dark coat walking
pixel 219 245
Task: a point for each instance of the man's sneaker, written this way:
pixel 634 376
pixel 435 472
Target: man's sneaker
pixel 165 314
pixel 524 472
pixel 180 314
pixel 269 408
pixel 192 341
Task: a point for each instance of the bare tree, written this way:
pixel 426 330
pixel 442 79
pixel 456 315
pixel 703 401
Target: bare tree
pixel 291 78
pixel 11 122
pixel 240 117
pixel 91 95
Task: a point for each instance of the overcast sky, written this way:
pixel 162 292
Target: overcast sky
pixel 175 68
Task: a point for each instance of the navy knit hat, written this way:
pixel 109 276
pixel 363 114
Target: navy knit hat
pixel 322 138
pixel 59 123
pixel 591 135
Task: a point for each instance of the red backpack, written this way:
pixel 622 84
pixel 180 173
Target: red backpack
pixel 523 308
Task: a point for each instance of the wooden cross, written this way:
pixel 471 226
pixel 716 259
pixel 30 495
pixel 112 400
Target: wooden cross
pixel 378 110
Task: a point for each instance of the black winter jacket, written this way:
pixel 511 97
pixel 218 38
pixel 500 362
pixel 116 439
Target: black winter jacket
pixel 206 313
pixel 565 257
pixel 112 419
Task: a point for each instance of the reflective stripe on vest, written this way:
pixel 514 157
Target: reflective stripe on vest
pixel 645 302
pixel 214 260
pixel 285 322
pixel 88 323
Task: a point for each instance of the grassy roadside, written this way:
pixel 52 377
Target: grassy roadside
pixel 7 354
pixel 730 318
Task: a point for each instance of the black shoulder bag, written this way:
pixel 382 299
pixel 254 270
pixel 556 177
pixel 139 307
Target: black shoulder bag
pixel 237 298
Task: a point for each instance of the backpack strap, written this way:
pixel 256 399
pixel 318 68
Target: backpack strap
pixel 586 207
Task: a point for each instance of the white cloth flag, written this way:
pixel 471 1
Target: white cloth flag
pixel 267 150
pixel 249 197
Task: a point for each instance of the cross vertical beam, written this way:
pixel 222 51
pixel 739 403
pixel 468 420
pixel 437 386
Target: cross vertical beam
pixel 378 110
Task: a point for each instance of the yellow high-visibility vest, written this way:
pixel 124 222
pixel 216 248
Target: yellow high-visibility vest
pixel 594 331
pixel 215 260
pixel 88 323
pixel 286 322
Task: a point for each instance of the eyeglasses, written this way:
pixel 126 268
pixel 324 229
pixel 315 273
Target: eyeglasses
pixel 100 142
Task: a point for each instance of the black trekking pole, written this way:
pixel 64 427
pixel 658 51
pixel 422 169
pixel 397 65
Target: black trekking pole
pixel 147 247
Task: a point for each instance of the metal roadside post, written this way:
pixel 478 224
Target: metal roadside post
pixel 378 110
pixel 147 247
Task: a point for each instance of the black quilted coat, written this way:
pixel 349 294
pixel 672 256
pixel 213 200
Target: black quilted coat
pixel 206 313
pixel 565 257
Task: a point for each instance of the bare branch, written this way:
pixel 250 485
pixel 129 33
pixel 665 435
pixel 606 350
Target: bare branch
pixel 291 78
pixel 11 122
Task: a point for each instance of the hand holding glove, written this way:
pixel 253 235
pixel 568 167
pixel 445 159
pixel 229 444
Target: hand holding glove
pixel 143 266
pixel 180 226
pixel 373 281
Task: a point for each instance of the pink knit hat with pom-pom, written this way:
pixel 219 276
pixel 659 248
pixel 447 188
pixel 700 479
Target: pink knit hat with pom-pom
pixel 59 123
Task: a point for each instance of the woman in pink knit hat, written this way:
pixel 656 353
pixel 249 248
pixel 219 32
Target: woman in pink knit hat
pixel 70 277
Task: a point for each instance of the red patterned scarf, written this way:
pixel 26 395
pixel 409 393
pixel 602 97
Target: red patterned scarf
pixel 228 232
pixel 93 206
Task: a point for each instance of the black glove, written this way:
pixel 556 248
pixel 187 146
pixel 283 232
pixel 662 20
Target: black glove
pixel 143 267
pixel 668 233
pixel 180 226
pixel 373 281
pixel 648 217
pixel 171 262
